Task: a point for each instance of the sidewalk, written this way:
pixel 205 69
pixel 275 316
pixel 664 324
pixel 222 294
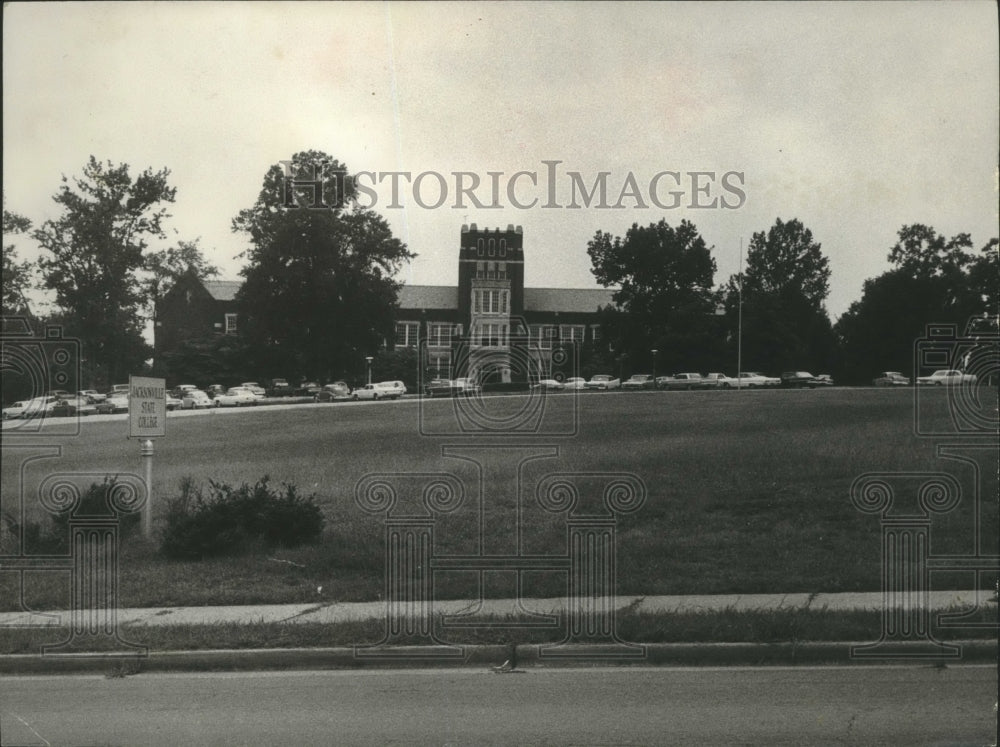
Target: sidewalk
pixel 358 611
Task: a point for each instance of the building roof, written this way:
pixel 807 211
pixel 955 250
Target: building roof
pixel 567 300
pixel 222 290
pixel 428 297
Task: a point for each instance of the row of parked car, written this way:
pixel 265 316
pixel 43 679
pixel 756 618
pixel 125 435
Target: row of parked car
pixel 690 381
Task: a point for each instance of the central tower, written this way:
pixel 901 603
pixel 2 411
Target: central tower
pixel 491 296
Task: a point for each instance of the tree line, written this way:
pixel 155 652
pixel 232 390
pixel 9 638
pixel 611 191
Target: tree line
pixel 319 295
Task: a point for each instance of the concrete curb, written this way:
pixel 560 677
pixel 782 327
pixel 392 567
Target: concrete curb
pixel 528 656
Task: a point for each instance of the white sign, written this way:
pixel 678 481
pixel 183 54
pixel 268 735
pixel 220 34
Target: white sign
pixel 147 407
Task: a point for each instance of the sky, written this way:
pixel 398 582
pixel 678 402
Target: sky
pixel 855 118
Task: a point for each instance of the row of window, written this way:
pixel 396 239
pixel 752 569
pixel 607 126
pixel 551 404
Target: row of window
pixel 439 334
pixel 489 248
pixel 491 271
pixel 490 301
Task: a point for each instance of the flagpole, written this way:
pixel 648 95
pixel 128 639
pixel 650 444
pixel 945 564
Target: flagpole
pixel 739 325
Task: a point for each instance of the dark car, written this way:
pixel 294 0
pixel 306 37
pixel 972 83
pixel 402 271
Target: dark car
pixel 798 380
pixel 441 388
pixel 335 392
pixel 279 388
pixel 307 389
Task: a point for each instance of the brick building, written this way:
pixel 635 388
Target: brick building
pixel 488 323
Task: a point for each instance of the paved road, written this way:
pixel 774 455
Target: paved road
pixel 802 706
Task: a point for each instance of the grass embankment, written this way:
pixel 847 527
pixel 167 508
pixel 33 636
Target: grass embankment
pixel 747 492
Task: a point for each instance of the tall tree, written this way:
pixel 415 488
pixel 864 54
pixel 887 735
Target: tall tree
pixel 95 252
pixel 932 280
pixel 784 286
pixel 319 293
pixel 665 300
pixel 17 275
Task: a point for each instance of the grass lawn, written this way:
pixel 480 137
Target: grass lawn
pixel 745 492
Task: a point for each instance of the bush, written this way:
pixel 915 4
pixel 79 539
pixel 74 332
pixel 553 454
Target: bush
pixel 231 521
pixel 53 538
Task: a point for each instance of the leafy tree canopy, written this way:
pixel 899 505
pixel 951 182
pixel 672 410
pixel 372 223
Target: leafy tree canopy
pixel 165 267
pixel 17 275
pixel 319 290
pixel 95 252
pixel 665 300
pixel 787 263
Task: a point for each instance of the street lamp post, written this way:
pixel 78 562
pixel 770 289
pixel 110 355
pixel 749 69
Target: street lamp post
pixel 654 351
pixel 368 360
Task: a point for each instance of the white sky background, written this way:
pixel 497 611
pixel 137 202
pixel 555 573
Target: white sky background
pixel 854 118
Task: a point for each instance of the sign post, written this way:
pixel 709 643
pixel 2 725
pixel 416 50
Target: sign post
pixel 147 419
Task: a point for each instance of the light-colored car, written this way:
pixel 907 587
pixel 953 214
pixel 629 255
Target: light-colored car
pixel 823 380
pixel 173 403
pixel 639 381
pixel 465 385
pixel 756 380
pixel 30 408
pixel 891 378
pixel 116 402
pixel 371 392
pixel 237 396
pixel 603 382
pixel 393 386
pixel 93 395
pixel 575 382
pixel 717 381
pixel 946 377
pixel 549 385
pixel 256 389
pixel 195 399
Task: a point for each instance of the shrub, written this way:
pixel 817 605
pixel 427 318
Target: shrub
pixel 231 520
pixel 52 538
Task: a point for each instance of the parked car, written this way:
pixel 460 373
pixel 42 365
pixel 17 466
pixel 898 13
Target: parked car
pixel 92 395
pixel 639 381
pixel 717 381
pixel 116 402
pixel 823 380
pixel 119 389
pixel 374 392
pixel 680 381
pixel 178 391
pixel 279 388
pixel 173 402
pixel 307 389
pixel 946 377
pixel 575 382
pixel 891 378
pixel 30 408
pixel 467 386
pixel 237 396
pixel 549 385
pixel 394 386
pixel 335 392
pixel 214 390
pixel 797 380
pixel 440 388
pixel 603 382
pixel 255 388
pixel 196 399
pixel 15 410
pixel 756 380
pixel 68 406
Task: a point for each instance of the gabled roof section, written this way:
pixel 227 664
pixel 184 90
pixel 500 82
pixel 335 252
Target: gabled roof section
pixel 222 290
pixel 428 297
pixel 567 300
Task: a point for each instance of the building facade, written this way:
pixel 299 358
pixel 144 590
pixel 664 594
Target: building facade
pixel 488 325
